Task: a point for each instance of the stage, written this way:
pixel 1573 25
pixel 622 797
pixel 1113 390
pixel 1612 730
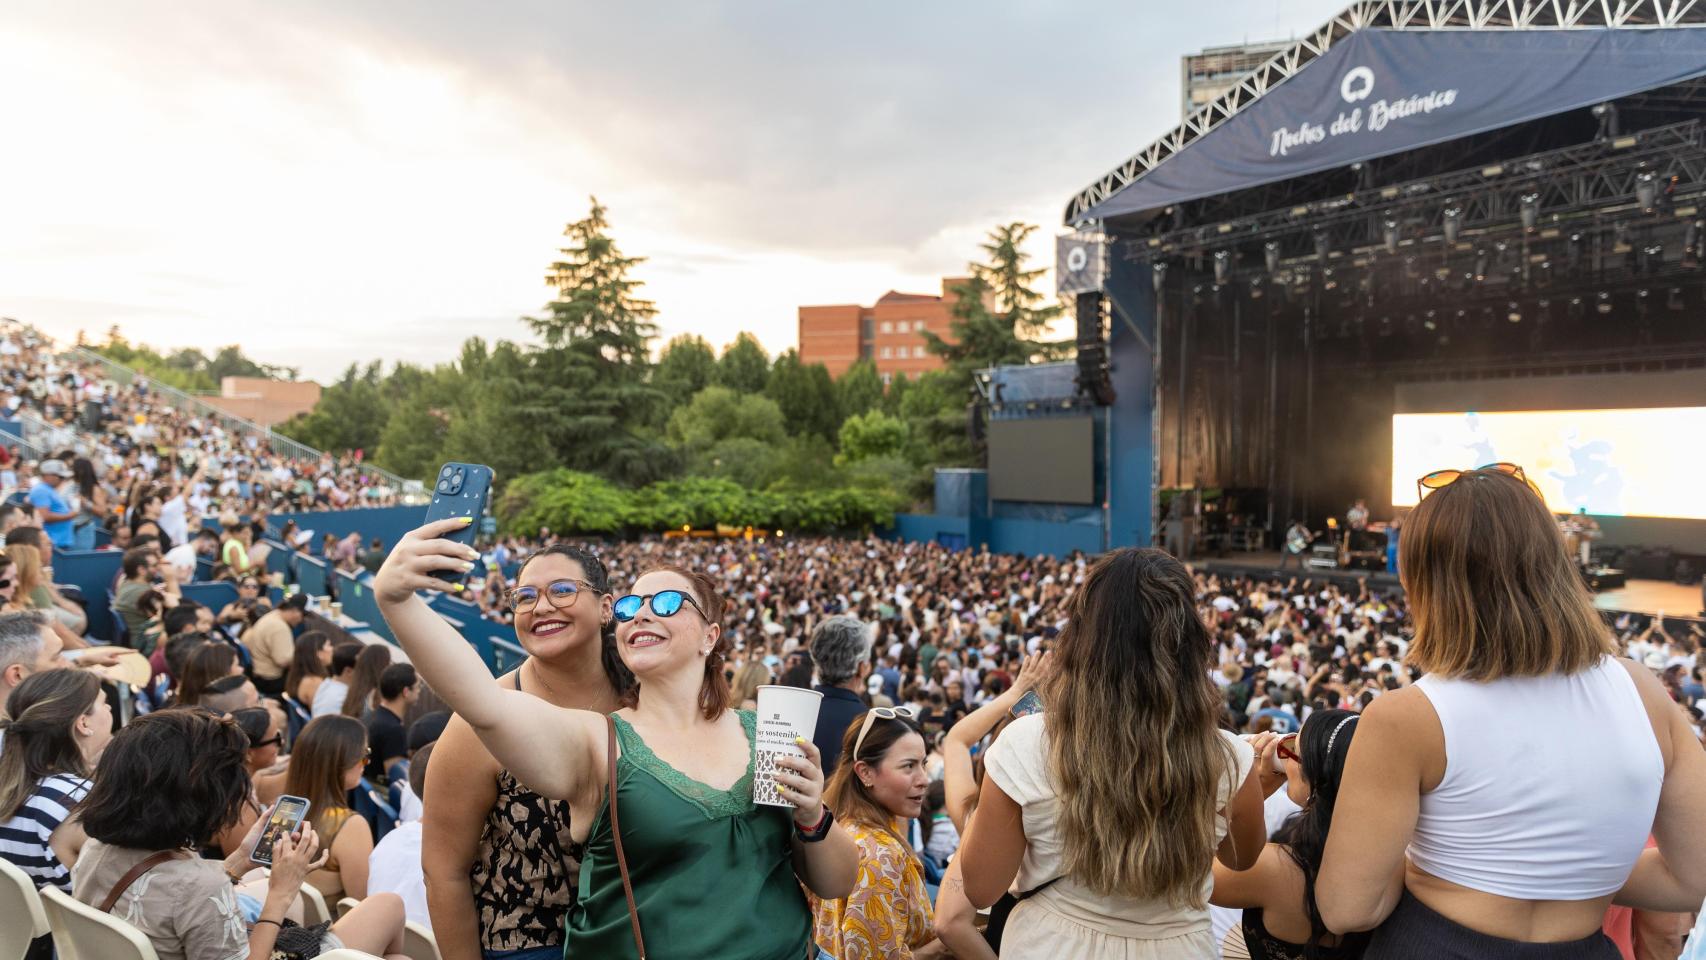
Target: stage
pixel 1646 597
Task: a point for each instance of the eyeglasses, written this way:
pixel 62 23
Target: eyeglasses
pixel 1440 479
pixel 1284 749
pixel 561 594
pixel 276 740
pixel 6 582
pixel 881 713
pixel 665 603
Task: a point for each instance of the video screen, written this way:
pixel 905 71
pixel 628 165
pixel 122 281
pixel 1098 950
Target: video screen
pixel 1042 460
pixel 1635 462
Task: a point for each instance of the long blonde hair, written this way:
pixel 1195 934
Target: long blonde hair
pixel 1133 749
pixel 747 681
pixel 30 576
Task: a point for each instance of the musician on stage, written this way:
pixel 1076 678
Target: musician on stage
pixel 1356 518
pixel 1297 538
pixel 1580 531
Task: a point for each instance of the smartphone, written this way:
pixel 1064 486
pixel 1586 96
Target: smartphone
pixel 287 814
pixel 1028 704
pixel 461 490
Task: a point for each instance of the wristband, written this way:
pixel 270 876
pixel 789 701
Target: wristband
pixel 819 830
pixel 261 920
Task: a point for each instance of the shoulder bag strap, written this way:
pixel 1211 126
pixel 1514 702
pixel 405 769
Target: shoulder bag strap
pixel 133 874
pixel 616 835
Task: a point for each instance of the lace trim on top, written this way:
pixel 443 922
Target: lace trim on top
pixel 711 802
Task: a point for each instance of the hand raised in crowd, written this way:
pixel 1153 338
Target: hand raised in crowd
pixel 800 781
pixel 417 555
pixel 1266 746
pixel 1035 671
pixel 294 856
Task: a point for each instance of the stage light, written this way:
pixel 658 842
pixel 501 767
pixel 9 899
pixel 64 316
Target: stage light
pixel 1652 257
pixel 1322 248
pixel 1530 211
pixel 1647 191
pixel 1270 253
pixel 1643 302
pixel 1673 300
pixel 1603 303
pixel 1430 321
pixel 1513 312
pixel 1691 244
pixel 1255 288
pixel 1480 263
pixel 1453 223
pixel 1606 114
pixel 1196 294
pixel 1389 231
pixel 1545 311
pixel 1222 266
pixel 1412 270
pixel 1158 274
pixel 1620 238
pixel 1573 258
pixel 1577 308
pixel 1328 281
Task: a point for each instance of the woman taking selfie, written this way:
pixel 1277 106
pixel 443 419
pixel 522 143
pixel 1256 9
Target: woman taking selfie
pixel 692 840
pixel 56 724
pixel 1110 807
pixel 888 914
pixel 169 783
pixel 1281 920
pixel 1501 802
pixel 498 857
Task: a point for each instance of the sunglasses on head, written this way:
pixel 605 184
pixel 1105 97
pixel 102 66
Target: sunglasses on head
pixel 665 603
pixel 881 713
pixel 1285 748
pixel 1440 479
pixel 561 593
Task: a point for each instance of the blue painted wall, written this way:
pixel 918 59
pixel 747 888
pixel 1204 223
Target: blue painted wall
pixel 1131 444
pixel 1042 536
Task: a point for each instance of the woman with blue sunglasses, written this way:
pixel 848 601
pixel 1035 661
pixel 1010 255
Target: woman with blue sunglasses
pixel 711 873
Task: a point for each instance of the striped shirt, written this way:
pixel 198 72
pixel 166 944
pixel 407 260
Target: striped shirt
pixel 23 839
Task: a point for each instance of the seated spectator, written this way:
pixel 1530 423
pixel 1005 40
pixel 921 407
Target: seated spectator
pixel 207 663
pixel 426 729
pixel 1109 807
pixel 879 785
pixel 234 547
pixel 329 698
pixel 170 782
pixel 56 725
pixel 265 733
pixel 1277 895
pixel 325 765
pixel 370 665
pixel 272 642
pixel 230 694
pixel 27 646
pixel 182 558
pixel 395 864
pixel 309 662
pixel 53 507
pixel 387 740
pixel 37 592
pixel 240 612
pixel 141 574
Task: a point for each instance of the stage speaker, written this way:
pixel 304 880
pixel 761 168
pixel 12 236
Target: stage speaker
pixel 1093 378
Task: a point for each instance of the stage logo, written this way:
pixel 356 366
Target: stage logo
pixel 1357 84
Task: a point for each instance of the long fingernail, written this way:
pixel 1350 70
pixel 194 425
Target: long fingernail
pixel 464 520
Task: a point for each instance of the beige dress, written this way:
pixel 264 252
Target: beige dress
pixel 1067 921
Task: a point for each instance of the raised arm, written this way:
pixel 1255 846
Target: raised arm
pixel 958 776
pixel 554 751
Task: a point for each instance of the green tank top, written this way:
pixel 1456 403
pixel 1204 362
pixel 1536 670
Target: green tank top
pixel 711 870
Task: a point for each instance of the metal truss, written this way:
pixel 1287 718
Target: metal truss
pixel 1387 15
pixel 1564 185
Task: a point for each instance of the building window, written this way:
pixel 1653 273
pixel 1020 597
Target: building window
pixel 917 325
pixel 887 352
pixel 887 377
pixel 888 327
pixel 866 326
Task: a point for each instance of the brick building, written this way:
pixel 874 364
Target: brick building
pixel 266 402
pixel 888 333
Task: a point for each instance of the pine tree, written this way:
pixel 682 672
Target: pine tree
pixel 997 319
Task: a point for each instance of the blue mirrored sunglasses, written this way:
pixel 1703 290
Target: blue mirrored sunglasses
pixel 665 603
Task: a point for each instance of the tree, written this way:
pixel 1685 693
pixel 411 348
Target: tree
pixel 806 396
pixel 996 317
pixel 744 367
pixel 351 414
pixel 717 413
pixel 686 366
pixel 859 389
pixel 873 434
pixel 587 393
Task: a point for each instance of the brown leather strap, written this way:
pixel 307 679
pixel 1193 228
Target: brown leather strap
pixel 616 835
pixel 134 873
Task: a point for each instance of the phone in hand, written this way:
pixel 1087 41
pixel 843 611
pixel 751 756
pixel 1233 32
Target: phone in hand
pixel 287 814
pixel 1028 704
pixel 461 490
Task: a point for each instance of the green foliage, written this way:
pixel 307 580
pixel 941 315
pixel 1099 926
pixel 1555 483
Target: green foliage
pixel 686 366
pixel 859 389
pixel 744 367
pixel 187 368
pixel 872 434
pixel 351 413
pixel 562 500
pixel 718 413
pixel 997 319
pixel 806 396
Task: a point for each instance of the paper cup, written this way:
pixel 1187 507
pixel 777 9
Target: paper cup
pixel 783 714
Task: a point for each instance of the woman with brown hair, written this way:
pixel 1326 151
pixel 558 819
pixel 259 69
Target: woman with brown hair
pixel 1500 803
pixel 56 725
pixel 1110 807
pixel 35 591
pixel 369 666
pixel 879 783
pixel 325 765
pixel 694 841
pixel 744 692
pixel 309 665
pixel 208 664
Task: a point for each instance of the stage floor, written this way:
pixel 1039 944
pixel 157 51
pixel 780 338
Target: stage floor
pixel 1639 596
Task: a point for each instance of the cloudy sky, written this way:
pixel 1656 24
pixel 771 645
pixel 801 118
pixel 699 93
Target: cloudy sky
pixel 324 181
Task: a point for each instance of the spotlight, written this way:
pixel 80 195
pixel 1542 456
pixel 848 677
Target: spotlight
pixel 1453 223
pixel 1652 257
pixel 1603 303
pixel 1620 238
pixel 1222 266
pixel 1691 244
pixel 1158 274
pixel 1322 248
pixel 1430 321
pixel 1513 312
pixel 1606 114
pixel 1255 288
pixel 1390 234
pixel 1647 191
pixel 1480 263
pixel 1573 256
pixel 1673 300
pixel 1196 294
pixel 1545 311
pixel 1328 281
pixel 1270 253
pixel 1577 308
pixel 1530 211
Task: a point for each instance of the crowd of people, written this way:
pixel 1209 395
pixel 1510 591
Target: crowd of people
pixel 1014 756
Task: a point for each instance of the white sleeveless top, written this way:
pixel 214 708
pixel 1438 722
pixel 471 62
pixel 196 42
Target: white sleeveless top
pixel 1550 787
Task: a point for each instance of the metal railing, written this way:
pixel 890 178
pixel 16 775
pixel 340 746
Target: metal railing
pixel 274 442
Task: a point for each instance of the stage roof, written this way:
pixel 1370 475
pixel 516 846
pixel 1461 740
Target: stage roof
pixel 1387 76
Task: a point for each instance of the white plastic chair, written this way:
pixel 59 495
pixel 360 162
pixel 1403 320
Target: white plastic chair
pixel 314 907
pixel 80 932
pixel 419 943
pixel 346 953
pixel 346 905
pixel 22 918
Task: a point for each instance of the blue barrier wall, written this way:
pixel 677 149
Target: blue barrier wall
pixel 359 603
pixel 929 528
pixel 92 572
pixel 1042 536
pixel 313 575
pixel 494 641
pixel 387 523
pixel 211 595
pixel 1131 419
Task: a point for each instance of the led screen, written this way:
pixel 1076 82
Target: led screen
pixel 1042 459
pixel 1635 462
